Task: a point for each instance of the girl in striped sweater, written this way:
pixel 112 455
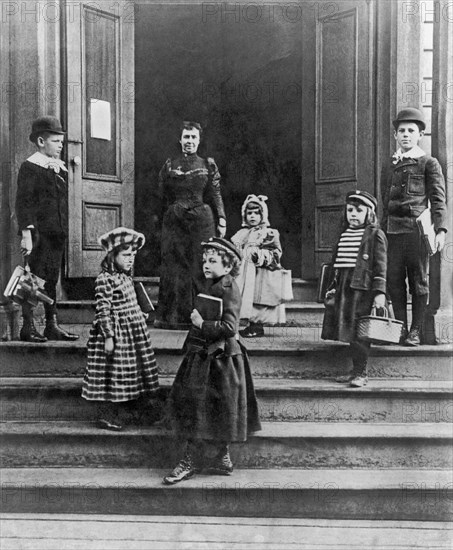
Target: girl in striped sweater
pixel 359 265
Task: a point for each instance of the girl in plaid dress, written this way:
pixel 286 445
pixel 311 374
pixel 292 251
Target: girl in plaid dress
pixel 121 366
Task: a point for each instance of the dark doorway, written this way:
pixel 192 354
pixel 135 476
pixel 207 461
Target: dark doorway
pixel 238 72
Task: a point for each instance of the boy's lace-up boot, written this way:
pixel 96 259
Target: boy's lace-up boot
pixel 28 332
pixel 418 313
pixel 185 469
pixel 54 332
pixel 221 465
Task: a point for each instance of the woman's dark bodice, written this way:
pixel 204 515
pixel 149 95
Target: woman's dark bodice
pixel 189 181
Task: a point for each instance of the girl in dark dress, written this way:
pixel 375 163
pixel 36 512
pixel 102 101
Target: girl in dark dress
pixel 360 267
pixel 212 398
pixel 189 188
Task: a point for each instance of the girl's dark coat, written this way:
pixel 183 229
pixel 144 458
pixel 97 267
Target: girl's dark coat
pixel 370 272
pixel 213 396
pixel 356 287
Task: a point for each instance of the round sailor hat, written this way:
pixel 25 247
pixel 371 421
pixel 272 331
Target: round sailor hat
pixel 222 244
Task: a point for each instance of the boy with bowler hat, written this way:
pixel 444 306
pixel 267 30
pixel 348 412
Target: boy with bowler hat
pixel 411 182
pixel 42 215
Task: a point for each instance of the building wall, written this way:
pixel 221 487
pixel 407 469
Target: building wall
pixel 244 94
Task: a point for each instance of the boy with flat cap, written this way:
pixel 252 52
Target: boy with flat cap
pixel 42 215
pixel 411 182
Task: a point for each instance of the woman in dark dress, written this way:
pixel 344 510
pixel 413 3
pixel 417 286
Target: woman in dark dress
pixel 192 206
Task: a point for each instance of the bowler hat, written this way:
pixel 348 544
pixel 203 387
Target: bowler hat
pixel 364 197
pixel 46 123
pixel 119 236
pixel 409 115
pixel 222 244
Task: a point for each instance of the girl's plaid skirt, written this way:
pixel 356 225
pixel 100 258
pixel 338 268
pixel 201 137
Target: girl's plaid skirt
pixel 131 370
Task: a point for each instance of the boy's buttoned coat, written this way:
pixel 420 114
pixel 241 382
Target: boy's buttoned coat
pixel 407 186
pixel 42 199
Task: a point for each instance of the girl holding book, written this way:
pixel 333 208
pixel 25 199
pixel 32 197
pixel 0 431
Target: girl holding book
pixel 212 400
pixel 121 366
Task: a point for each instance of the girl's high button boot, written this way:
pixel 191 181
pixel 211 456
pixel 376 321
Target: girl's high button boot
pixel 221 465
pixel 185 469
pixel 359 381
pixel 254 330
pixel 359 374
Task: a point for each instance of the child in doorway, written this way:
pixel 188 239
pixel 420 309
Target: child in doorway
pixel 411 182
pixel 121 366
pixel 212 399
pixel 359 262
pixel 261 250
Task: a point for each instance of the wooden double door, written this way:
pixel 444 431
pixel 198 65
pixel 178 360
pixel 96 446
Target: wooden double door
pixel 338 97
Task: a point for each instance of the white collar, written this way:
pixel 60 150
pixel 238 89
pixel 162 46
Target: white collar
pixel 47 162
pixel 414 153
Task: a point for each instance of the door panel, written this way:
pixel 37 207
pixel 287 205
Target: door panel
pixel 338 115
pixel 100 125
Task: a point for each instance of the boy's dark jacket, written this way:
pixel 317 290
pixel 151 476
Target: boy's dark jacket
pixel 42 199
pixel 406 188
pixel 222 334
pixel 370 272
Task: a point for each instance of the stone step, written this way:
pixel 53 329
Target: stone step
pixel 293 493
pixel 290 352
pixel 389 401
pixel 96 532
pixel 306 314
pixel 311 445
pixel 298 314
pixel 303 290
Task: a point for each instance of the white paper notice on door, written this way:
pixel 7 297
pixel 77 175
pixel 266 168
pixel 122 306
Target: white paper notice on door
pixel 101 126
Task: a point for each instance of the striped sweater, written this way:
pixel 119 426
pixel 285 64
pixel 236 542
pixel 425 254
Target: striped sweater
pixel 348 247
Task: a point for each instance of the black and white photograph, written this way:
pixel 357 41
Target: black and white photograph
pixel 226 275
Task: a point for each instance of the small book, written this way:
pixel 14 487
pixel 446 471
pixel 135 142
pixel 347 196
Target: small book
pixel 209 307
pixel 143 299
pixel 427 231
pixel 324 281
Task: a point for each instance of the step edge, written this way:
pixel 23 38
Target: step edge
pixel 443 350
pixel 261 384
pixel 254 479
pixel 310 430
